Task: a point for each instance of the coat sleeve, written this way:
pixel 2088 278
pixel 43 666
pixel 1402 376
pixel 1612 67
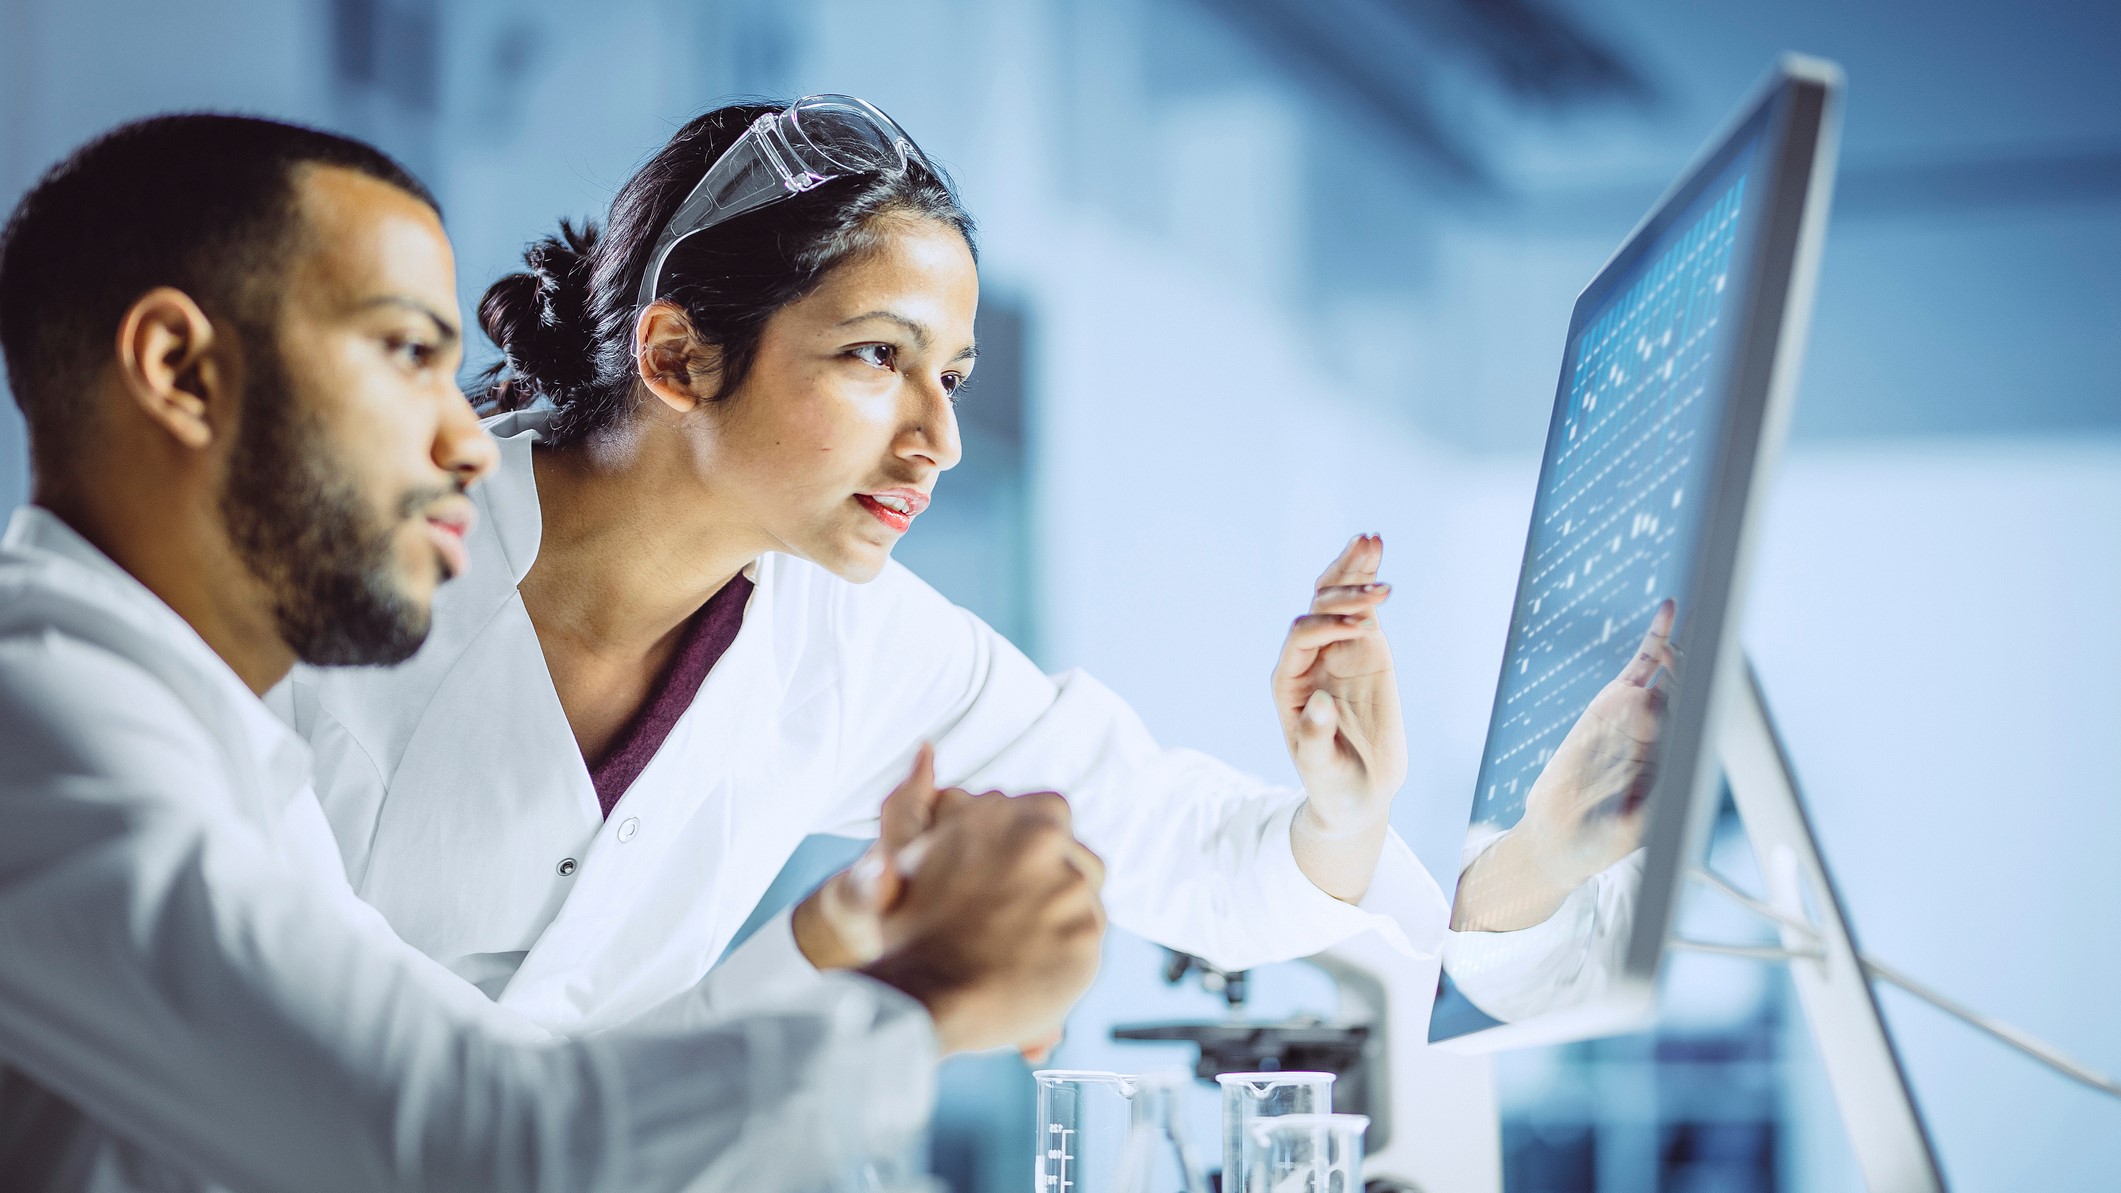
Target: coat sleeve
pixel 1565 960
pixel 176 975
pixel 1197 853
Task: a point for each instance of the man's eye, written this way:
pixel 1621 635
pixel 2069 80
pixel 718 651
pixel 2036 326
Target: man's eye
pixel 883 356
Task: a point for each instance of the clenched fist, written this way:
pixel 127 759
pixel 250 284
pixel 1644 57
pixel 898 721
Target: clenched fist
pixel 996 925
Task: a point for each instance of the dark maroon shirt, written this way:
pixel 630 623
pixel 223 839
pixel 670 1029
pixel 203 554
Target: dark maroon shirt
pixel 707 637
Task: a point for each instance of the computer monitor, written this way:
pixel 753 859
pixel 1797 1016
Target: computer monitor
pixel 1599 776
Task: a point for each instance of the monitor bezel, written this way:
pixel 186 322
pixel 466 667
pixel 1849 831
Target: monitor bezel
pixel 1790 119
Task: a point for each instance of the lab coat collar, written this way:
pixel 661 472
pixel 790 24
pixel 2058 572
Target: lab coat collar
pixel 510 492
pixel 88 592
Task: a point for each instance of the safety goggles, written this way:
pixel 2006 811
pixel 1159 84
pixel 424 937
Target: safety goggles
pixel 810 142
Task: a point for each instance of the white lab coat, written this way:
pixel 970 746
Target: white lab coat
pixel 466 815
pixel 1566 960
pixel 192 998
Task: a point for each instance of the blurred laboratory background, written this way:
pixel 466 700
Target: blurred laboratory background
pixel 1261 274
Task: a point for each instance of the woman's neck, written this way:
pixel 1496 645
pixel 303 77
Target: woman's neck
pixel 629 548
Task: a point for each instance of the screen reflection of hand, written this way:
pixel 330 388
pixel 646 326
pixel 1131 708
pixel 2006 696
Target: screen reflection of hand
pixel 1585 810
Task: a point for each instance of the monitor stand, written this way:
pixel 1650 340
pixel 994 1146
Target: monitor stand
pixel 1833 977
pixel 1832 981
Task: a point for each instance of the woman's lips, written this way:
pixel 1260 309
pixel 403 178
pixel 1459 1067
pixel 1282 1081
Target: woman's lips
pixel 913 502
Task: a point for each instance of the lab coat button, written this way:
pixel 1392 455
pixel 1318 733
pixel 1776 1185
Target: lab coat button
pixel 629 828
pixel 566 866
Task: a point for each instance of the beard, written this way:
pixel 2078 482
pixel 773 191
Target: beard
pixel 303 528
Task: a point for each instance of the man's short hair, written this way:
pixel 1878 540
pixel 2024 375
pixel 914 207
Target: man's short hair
pixel 203 202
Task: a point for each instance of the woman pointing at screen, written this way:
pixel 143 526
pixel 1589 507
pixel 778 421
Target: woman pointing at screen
pixel 682 645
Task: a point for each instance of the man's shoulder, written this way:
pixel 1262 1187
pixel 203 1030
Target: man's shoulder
pixel 72 705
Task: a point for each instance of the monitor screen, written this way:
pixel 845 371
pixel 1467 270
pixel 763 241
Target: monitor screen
pixel 1599 634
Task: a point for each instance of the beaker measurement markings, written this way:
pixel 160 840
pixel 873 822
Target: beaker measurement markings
pixel 1058 1182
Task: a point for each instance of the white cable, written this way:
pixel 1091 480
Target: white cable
pixel 2039 1050
pixel 1758 952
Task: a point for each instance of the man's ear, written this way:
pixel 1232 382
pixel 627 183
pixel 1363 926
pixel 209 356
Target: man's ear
pixel 168 366
pixel 671 361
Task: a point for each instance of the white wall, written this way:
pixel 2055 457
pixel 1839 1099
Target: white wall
pixel 1936 627
pixel 71 70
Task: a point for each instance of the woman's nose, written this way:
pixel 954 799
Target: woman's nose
pixel 932 434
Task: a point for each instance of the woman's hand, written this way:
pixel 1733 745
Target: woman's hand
pixel 841 924
pixel 1339 704
pixel 997 928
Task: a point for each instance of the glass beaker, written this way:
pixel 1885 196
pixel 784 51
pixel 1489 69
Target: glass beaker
pixel 1083 1117
pixel 1102 1132
pixel 1304 1153
pixel 1248 1097
pixel 1155 1159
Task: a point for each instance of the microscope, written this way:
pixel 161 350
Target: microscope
pixel 1433 1124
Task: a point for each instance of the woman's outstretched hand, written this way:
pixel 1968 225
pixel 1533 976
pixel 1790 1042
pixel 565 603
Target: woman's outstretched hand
pixel 1338 699
pixel 1585 810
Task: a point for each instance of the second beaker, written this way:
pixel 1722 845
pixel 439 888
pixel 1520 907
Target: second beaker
pixel 1251 1096
pixel 1304 1153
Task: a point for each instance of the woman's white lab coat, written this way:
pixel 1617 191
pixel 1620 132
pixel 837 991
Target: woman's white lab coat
pixel 466 815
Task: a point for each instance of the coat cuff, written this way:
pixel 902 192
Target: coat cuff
pixel 1404 906
pixel 1512 975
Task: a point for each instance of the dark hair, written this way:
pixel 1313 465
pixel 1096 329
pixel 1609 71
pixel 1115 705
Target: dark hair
pixel 203 202
pixel 565 326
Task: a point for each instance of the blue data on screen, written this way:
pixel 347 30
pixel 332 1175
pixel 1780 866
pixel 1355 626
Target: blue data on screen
pixel 1614 525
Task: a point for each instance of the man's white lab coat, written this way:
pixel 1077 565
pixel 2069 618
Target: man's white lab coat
pixel 191 997
pixel 466 814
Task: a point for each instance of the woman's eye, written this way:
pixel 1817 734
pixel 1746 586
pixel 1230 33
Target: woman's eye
pixel 880 355
pixel 952 382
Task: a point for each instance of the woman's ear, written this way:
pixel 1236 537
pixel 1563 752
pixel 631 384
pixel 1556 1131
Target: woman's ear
pixel 672 362
pixel 168 366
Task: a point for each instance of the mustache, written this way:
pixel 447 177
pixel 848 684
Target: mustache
pixel 415 501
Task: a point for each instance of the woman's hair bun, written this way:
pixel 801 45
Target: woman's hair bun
pixel 540 319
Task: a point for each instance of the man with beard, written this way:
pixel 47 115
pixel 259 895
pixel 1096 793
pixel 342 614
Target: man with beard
pixel 235 344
